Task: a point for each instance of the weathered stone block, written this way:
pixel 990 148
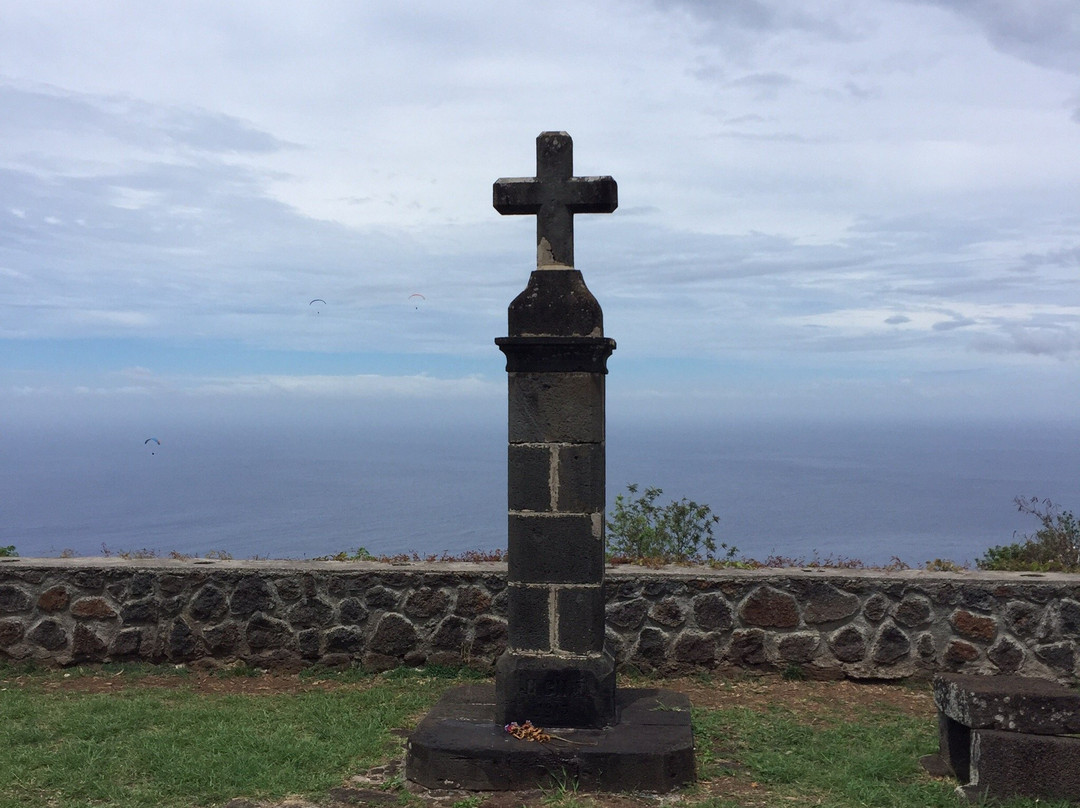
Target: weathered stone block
pixel 427 601
pixel 798 647
pixel 126 643
pixel 183 642
pixel 629 614
pixel 308 643
pixel 957 652
pixel 555 691
pixel 13 599
pixel 913 611
pixel 824 603
pixel 747 647
pixel 96 608
pixel 554 549
pixel 489 637
pixel 1069 619
pixel 1015 764
pixel 580 470
pixel 344 640
pixel 529 613
pixel 87 645
pixel 712 613
pixel 554 303
pixel 54 599
pixel 876 607
pixel 142 584
pixel 209 604
pixel 471 601
pixel 1021 617
pixel 1007 654
pixel 139 611
pixel 890 646
pixel 529 477
pixel 451 634
pixel 222 639
pixel 556 408
pixel 462 744
pixel 351 612
pixel 89 580
pixel 973 626
pixel 848 644
pixel 49 634
pixel 668 612
pixel 289 589
pixel 310 613
pixel 652 648
pixel 768 606
pixel 380 598
pixel 171 585
pixel 1060 655
pixel 11 631
pixel 693 648
pixel 264 632
pixel 1016 703
pixel 580 613
pixel 252 594
pixel 926 645
pixel 394 636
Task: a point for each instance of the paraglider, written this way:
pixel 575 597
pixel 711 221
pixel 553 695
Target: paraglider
pixel 152 440
pixel 321 303
pixel 416 297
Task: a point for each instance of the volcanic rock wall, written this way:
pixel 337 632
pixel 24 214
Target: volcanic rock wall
pixel 286 615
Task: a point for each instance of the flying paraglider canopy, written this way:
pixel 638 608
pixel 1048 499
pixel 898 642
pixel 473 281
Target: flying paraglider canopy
pixel 151 440
pixel 415 298
pixel 316 305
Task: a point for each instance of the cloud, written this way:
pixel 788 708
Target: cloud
pixel 956 322
pixel 1043 32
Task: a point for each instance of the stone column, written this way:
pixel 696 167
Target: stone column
pixel 556 671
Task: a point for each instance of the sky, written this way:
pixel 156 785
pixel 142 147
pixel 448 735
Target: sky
pixel 853 209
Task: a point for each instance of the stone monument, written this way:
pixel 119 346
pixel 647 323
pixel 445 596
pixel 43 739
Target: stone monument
pixel 1004 737
pixel 556 673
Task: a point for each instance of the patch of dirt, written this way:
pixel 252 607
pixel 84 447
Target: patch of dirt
pixel 809 699
pixel 199 682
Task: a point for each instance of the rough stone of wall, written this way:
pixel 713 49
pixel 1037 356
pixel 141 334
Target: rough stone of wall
pixel 286 615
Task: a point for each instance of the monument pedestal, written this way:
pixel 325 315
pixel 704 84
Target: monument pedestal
pixel 649 748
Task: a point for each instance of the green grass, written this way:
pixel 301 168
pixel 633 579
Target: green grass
pixel 177 746
pixel 871 761
pixel 143 746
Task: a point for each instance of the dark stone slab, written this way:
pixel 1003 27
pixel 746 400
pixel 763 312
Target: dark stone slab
pixel 553 549
pixel 557 691
pixel 1014 703
pixel 1018 764
pixel 555 407
pixel 460 745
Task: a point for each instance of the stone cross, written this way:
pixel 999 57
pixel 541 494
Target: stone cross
pixel 554 195
pixel 556 670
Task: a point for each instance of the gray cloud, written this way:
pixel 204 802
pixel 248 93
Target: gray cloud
pixel 1043 32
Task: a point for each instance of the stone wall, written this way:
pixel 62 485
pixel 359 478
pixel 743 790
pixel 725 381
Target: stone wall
pixel 281 614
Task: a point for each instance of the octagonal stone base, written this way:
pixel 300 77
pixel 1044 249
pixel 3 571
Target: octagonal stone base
pixel 459 745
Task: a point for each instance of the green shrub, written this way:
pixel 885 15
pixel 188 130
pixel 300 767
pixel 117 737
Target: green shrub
pixel 641 530
pixel 8 551
pixel 1053 548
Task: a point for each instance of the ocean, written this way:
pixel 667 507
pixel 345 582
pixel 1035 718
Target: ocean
pixel 302 490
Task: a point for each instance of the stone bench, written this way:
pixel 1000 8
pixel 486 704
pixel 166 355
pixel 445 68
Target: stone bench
pixel 1007 736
